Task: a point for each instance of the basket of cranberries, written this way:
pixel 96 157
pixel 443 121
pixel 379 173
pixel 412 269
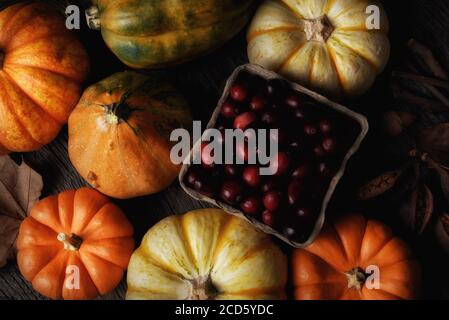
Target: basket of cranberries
pixel 312 138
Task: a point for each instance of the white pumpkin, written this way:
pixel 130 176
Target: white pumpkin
pixel 326 45
pixel 206 254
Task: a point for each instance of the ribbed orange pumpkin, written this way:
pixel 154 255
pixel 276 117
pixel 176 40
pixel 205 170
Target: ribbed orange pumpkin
pixel 42 66
pixel 335 265
pixel 81 230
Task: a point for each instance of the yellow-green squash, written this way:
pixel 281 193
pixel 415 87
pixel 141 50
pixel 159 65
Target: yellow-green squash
pixel 158 33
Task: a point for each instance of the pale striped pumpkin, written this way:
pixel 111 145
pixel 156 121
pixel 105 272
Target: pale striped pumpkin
pixel 327 45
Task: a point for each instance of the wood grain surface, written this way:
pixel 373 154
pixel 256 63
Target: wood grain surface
pixel 202 81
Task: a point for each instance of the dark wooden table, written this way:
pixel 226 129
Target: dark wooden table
pixel 202 81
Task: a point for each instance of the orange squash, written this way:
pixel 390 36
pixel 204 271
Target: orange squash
pixel 42 66
pixel 335 266
pixel 119 135
pixel 75 245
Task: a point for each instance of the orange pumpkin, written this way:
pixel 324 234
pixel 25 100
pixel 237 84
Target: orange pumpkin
pixel 336 265
pixel 75 245
pixel 119 134
pixel 42 66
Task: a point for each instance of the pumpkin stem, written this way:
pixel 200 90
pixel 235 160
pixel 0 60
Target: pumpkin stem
pixel 93 18
pixel 319 29
pixel 71 242
pixel 2 59
pixel 356 278
pixel 203 289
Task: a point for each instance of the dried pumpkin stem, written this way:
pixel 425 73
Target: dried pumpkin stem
pixel 356 278
pixel 71 242
pixel 203 289
pixel 319 29
pixel 93 18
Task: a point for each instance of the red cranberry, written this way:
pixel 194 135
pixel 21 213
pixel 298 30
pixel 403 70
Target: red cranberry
pixel 257 103
pixel 295 191
pixel 279 137
pixel 300 113
pixel 269 185
pixel 276 87
pixel 244 120
pixel 272 200
pixel 293 101
pixel 239 93
pixel 289 232
pixel 319 151
pixel 269 118
pixel 251 205
pixel 282 162
pixel 301 171
pixel 231 192
pixel 268 217
pixel 229 110
pixel 232 170
pixel 251 176
pixel 192 177
pixel 329 145
pixel 310 130
pixel 207 156
pixel 303 213
pixel 324 170
pixel 325 126
pixel 242 150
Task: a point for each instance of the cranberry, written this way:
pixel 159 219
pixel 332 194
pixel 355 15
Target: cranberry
pixel 310 130
pixel 268 217
pixel 203 188
pixel 289 232
pixel 192 177
pixel 229 110
pixel 319 151
pixel 242 150
pixel 281 163
pixel 324 170
pixel 269 118
pixel 272 200
pixel 279 137
pixel 239 93
pixel 207 156
pixel 301 171
pixel 257 103
pixel 252 176
pixel 231 192
pixel 232 170
pixel 300 113
pixel 276 87
pixel 269 185
pixel 325 126
pixel 303 213
pixel 244 120
pixel 293 101
pixel 329 145
pixel 251 205
pixel 295 191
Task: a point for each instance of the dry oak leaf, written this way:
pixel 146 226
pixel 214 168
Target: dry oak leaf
pixel 20 189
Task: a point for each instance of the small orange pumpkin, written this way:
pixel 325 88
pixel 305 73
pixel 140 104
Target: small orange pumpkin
pixel 42 66
pixel 75 245
pixel 335 265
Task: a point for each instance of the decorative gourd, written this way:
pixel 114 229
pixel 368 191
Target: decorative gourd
pixel 323 44
pixel 42 66
pixel 335 265
pixel 206 254
pixel 75 245
pixel 149 34
pixel 119 135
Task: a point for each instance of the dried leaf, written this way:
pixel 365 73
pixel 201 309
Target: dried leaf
pixel 379 185
pixel 20 189
pixel 435 141
pixel 442 231
pixel 417 209
pixel 443 176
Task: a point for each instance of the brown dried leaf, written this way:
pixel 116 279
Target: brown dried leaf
pixel 443 176
pixel 435 141
pixel 417 209
pixel 442 230
pixel 20 189
pixel 379 185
